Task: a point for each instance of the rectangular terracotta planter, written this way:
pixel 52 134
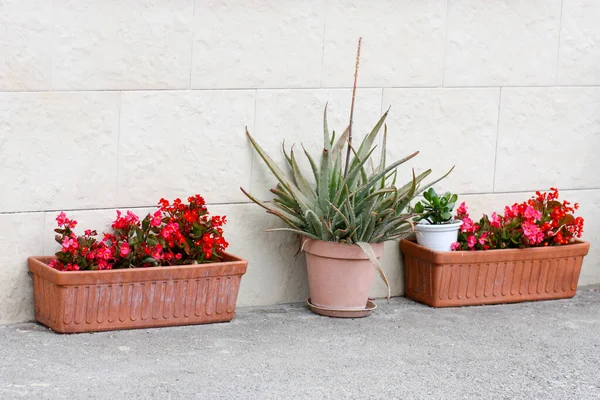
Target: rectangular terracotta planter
pixel 88 301
pixel 462 278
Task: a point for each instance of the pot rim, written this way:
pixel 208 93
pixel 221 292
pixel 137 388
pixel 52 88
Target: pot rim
pixel 231 266
pixel 343 251
pixel 578 248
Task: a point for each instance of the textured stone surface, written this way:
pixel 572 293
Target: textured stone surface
pixel 258 44
pixel 548 137
pixel 541 350
pixel 449 127
pixel 58 150
pixel 21 236
pixel 111 44
pixel 274 274
pixel 579 52
pixel 173 144
pixel 25 51
pixel 296 116
pixel 403 42
pixel 502 42
pixel 589 202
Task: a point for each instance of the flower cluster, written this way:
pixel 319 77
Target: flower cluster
pixel 539 221
pixel 176 233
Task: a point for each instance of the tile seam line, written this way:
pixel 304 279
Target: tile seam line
pixel 109 208
pixel 497 141
pixel 249 202
pixel 560 22
pixel 299 88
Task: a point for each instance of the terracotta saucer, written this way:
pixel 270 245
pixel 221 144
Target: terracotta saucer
pixel 328 312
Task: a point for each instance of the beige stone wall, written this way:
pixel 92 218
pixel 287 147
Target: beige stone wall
pixel 110 104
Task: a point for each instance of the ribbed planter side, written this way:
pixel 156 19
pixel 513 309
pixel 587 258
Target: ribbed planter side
pixel 461 278
pixel 88 301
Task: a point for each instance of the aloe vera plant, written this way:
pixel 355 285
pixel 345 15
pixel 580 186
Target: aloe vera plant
pixel 348 199
pixel 365 206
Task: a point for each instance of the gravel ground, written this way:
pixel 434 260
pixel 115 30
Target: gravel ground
pixel 541 350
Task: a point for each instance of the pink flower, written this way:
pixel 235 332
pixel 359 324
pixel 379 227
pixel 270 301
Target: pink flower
pixel 105 253
pixel 70 243
pixel 72 225
pixel 157 219
pixel 511 212
pixel 455 246
pixel 495 220
pixel 131 218
pixel 102 264
pixel 471 241
pixel 482 238
pixel 61 219
pixel 170 230
pixel 71 267
pixel 533 232
pixel 157 252
pixel 467 225
pixel 124 249
pixel 531 212
pixel 462 209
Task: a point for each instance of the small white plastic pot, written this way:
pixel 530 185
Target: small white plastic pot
pixel 437 237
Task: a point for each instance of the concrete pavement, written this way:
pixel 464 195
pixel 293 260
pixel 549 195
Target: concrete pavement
pixel 544 350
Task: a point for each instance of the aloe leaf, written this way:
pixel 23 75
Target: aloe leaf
pixel 326 139
pixel 284 197
pixel 313 164
pixel 279 174
pixel 375 178
pixel 368 141
pixel 339 145
pixel 357 168
pixel 286 155
pixel 284 218
pixel 323 184
pixel 366 247
pixel 383 154
pixel 430 184
pixel 299 232
pixel 315 222
pixel 264 205
pixel 302 183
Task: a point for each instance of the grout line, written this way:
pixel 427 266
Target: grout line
pixel 118 146
pixel 497 137
pixel 559 38
pixel 66 210
pixel 250 147
pixel 323 45
pixel 525 191
pixel 52 48
pixel 234 203
pixel 298 88
pixel 43 238
pixel 192 42
pixel 445 43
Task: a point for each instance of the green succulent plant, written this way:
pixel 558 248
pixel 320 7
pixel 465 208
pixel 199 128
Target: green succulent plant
pixel 435 209
pixel 347 199
pixel 361 207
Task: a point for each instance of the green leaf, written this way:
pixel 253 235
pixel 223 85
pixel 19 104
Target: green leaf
pixel 366 247
pixel 302 183
pixel 326 139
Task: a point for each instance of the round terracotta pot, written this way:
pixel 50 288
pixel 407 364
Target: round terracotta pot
pixel 340 276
